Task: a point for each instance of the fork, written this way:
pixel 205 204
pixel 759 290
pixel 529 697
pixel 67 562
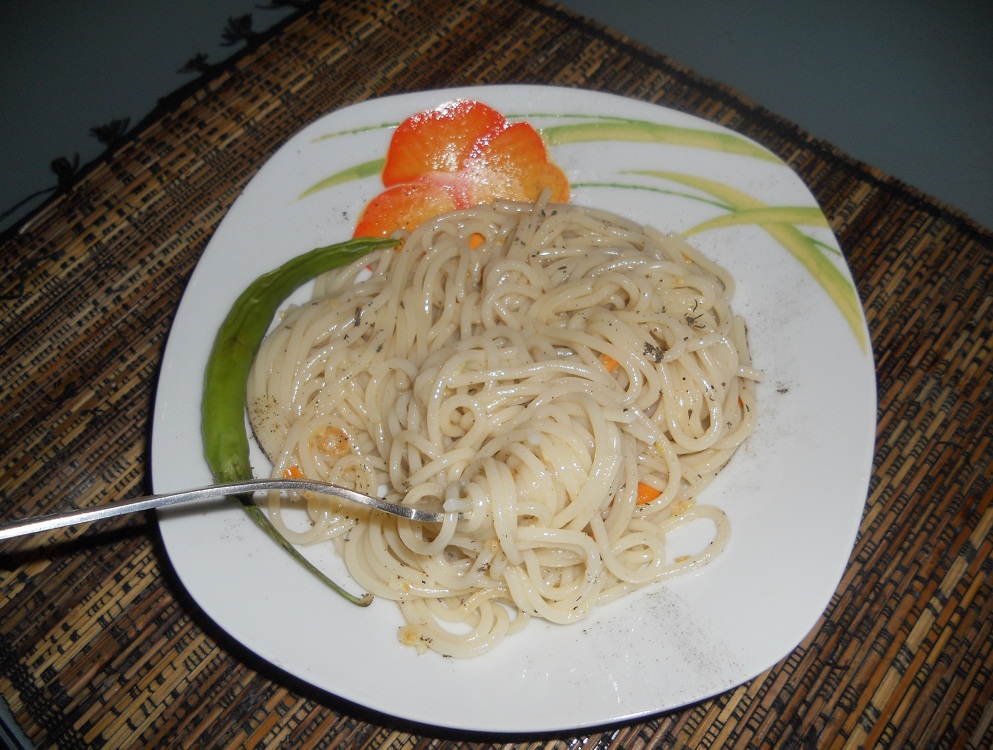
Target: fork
pixel 51 521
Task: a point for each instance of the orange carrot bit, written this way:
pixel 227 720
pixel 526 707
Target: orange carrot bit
pixel 647 493
pixel 333 442
pixel 294 472
pixel 476 240
pixel 609 362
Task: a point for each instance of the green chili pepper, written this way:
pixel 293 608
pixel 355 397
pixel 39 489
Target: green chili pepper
pixel 226 381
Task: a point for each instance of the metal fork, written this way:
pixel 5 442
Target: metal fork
pixel 109 510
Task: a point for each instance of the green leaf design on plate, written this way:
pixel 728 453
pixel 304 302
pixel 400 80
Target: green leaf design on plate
pixel 652 189
pixel 358 172
pixel 800 246
pixel 806 215
pixel 643 131
pixel 353 131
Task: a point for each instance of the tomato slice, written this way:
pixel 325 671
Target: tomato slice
pixel 407 206
pixel 439 140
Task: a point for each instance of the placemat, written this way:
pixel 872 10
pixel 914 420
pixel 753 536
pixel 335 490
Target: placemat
pixel 100 645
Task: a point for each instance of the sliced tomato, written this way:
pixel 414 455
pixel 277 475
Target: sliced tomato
pixel 514 145
pixel 519 153
pixel 537 177
pixel 461 154
pixel 407 206
pixel 439 140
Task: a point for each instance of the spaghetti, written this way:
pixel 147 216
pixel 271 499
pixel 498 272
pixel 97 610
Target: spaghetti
pixel 570 378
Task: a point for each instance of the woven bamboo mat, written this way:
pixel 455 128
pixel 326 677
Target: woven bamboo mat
pixel 100 646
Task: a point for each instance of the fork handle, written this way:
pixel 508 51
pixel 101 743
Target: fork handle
pixel 148 502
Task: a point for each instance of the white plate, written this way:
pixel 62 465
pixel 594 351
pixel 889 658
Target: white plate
pixel 794 493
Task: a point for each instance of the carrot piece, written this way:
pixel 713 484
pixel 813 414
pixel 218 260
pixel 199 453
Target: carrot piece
pixel 294 472
pixel 646 494
pixel 476 240
pixel 609 362
pixel 333 442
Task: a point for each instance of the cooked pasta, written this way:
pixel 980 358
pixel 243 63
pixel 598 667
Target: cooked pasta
pixel 568 378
